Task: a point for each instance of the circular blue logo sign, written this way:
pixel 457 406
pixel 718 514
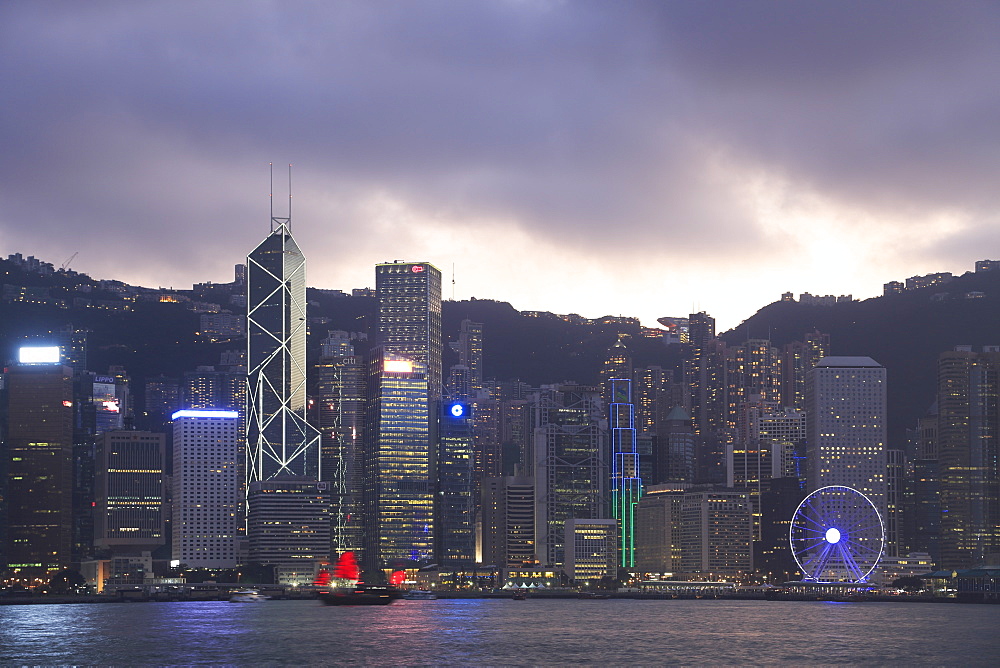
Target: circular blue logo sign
pixel 457 410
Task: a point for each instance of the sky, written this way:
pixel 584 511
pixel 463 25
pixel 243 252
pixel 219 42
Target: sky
pixel 631 158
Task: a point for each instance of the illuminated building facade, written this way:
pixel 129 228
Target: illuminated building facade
pixel 968 438
pixel 798 359
pixel 289 526
pixel 206 488
pixel 469 347
pixel 508 522
pixel 658 529
pixel 280 441
pixel 399 483
pixel 39 466
pixel 570 464
pixel 846 408
pixel 590 549
pixel 626 485
pixel 716 532
pixel 617 364
pixel 675 449
pixel 457 499
pixel 129 492
pixel 409 316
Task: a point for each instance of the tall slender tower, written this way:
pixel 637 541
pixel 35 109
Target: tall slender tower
pixel 626 485
pixel 409 315
pixel 39 466
pixel 280 442
pixel 969 456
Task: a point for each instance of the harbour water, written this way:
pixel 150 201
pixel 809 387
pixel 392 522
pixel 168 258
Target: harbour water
pixel 501 632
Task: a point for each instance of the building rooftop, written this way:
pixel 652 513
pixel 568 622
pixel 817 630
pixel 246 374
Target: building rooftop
pixel 847 362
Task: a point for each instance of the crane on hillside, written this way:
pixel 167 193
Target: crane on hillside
pixel 65 265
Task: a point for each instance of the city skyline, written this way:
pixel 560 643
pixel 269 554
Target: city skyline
pixel 747 152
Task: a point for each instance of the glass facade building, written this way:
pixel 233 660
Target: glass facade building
pixel 409 315
pixel 279 439
pixel 399 484
pixel 626 485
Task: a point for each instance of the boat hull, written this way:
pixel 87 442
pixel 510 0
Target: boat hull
pixel 369 596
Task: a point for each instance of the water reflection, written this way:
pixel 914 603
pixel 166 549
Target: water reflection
pixel 445 632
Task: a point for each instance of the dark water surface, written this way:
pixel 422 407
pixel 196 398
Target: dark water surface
pixel 502 632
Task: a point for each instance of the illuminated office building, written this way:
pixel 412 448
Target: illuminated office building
pixel 658 529
pixel 716 532
pixel 968 438
pixel 798 359
pixel 457 500
pixel 399 479
pixel 590 549
pixel 571 468
pixel 206 488
pixel 409 316
pixel 617 364
pixel 129 492
pixel 280 441
pixel 846 409
pixel 675 449
pixel 39 465
pixel 626 485
pixel 508 522
pixel 289 527
pixel 469 347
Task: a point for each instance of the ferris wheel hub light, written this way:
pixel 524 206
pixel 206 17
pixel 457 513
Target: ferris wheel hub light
pixel 832 535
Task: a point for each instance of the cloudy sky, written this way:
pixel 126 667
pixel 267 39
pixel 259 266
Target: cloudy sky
pixel 632 158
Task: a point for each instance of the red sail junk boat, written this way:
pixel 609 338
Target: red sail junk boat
pixel 345 586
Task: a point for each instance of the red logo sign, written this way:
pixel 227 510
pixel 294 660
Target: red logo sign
pixel 416 269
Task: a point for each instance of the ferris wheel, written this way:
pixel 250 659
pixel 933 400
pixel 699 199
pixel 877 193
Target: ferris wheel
pixel 836 535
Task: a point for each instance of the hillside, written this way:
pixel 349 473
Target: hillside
pixel 905 332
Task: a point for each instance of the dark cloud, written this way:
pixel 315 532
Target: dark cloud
pixel 598 127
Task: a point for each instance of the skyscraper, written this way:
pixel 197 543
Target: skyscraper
pixel 470 351
pixel 457 499
pixel 409 315
pixel 405 385
pixel 570 464
pixel 846 417
pixel 626 484
pixel 399 484
pixel 207 490
pixel 340 398
pixel 968 456
pixel 279 439
pixel 39 466
pixel 129 492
